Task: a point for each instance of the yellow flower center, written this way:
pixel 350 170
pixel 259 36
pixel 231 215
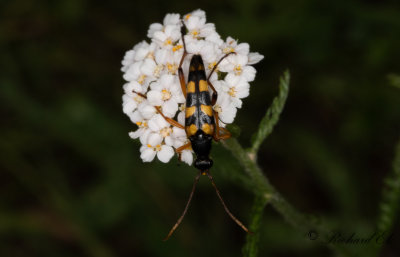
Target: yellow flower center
pixel 188 16
pixel 165 95
pixel 155 148
pixel 158 70
pixel 165 132
pixel 141 79
pixel 176 48
pixel 172 68
pixel 212 65
pixel 150 55
pixel 168 41
pixel 228 50
pixel 238 69
pixel 141 124
pixel 195 33
pixel 232 92
pixel 138 98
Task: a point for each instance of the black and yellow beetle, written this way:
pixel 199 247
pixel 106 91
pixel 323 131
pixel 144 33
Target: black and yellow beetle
pixel 201 122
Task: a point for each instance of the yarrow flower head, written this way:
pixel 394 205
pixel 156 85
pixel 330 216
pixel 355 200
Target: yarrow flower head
pixel 152 92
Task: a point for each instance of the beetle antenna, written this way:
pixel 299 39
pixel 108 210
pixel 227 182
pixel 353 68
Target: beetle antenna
pixel 226 207
pixel 185 210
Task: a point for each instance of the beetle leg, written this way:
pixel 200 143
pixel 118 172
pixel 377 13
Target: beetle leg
pixel 220 132
pixel 180 71
pixel 139 94
pixel 169 120
pixel 215 94
pixel 183 147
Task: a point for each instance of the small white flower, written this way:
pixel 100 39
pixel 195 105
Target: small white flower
pixel 170 59
pixel 167 93
pixel 168 36
pixel 196 24
pixel 170 19
pixel 237 88
pixel 143 130
pixel 231 46
pixel 155 147
pixel 159 125
pixel 224 106
pixel 237 63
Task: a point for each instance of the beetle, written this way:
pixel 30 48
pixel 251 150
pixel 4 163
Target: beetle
pixel 201 123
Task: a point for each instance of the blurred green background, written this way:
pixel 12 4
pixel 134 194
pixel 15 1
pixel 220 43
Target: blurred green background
pixel 72 182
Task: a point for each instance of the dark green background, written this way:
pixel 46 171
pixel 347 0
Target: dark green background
pixel 72 182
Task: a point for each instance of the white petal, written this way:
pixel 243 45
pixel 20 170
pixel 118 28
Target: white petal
pixel 159 37
pixel 136 134
pixel 133 72
pixel 153 124
pixel 161 122
pixel 178 133
pixel 169 141
pixel 155 98
pixel 170 107
pixel 242 48
pixel 187 157
pixel 255 58
pixel 236 102
pixel 171 19
pixel 153 28
pixel 249 73
pixel 165 154
pixel 135 116
pixel 228 114
pixel 147 154
pixel 232 80
pixel 181 117
pixel 148 67
pixel 243 92
pixel 154 139
pixel 144 136
pixel 128 104
pixel 147 110
pixel 167 80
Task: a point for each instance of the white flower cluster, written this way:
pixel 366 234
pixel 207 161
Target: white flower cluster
pixel 151 72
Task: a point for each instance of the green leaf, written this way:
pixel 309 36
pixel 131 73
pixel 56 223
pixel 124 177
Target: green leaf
pixel 272 115
pixel 389 205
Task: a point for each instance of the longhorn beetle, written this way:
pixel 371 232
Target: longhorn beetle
pixel 201 123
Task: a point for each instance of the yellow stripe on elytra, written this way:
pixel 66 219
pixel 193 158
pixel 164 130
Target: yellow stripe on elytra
pixel 191 130
pixel 190 111
pixel 203 86
pixel 191 87
pixel 207 128
pixel 206 109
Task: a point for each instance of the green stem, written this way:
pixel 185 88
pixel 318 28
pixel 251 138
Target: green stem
pixel 250 249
